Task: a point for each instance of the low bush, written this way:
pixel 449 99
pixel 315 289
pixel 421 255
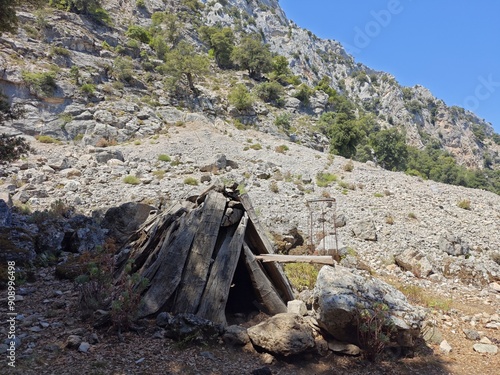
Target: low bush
pixel 132 180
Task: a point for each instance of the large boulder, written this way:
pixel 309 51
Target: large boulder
pixel 124 220
pixel 283 334
pixel 415 262
pixel 16 244
pixel 5 210
pixel 340 293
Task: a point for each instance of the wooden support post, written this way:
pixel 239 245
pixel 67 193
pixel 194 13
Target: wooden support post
pixel 195 274
pixel 214 299
pixel 165 273
pixel 258 241
pixel 267 294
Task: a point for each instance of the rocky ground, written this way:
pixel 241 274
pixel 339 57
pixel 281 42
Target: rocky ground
pixel 409 232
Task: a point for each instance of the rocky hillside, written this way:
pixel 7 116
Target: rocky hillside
pixel 89 69
pixel 109 125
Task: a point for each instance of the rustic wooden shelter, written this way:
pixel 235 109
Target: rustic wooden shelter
pixel 200 257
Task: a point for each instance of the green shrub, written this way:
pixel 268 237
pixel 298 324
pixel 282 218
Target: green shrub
pixel 140 4
pixel 270 92
pixel 324 179
pixel 132 180
pixel 42 84
pixel 163 157
pixel 464 203
pixel 46 139
pixel 283 120
pixel 302 275
pixel 61 51
pixel 88 88
pixel 375 328
pixel 256 146
pixel 138 33
pixel 190 181
pixel 273 186
pixel 241 98
pixel 304 93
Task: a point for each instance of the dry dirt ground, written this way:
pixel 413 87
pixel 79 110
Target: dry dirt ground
pixel 43 349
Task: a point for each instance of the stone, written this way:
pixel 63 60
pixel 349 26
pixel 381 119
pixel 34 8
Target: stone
pixel 17 244
pixel 340 221
pixel 495 287
pixel 414 261
pixel 84 347
pixel 104 156
pixel 236 335
pixel 485 348
pixel 283 334
pixel 445 347
pixel 432 334
pixel 296 307
pixel 5 210
pixel 343 348
pixel 163 318
pixel 453 245
pixel 124 220
pixel 189 325
pixel 365 230
pixel 340 293
pixel 472 334
pixel 73 341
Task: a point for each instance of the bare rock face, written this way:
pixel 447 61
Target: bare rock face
pixel 341 292
pixel 283 334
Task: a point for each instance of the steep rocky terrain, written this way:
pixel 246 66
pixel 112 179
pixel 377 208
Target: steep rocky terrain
pixel 438 243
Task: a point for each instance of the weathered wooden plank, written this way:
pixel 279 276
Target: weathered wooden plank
pixel 267 294
pixel 157 234
pixel 196 271
pixel 317 259
pixel 214 299
pixel 258 241
pixel 166 272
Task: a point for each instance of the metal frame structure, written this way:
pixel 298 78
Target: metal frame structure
pixel 326 209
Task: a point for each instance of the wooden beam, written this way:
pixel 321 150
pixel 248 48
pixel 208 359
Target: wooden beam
pixel 296 259
pixel 196 271
pixel 165 273
pixel 214 299
pixel 257 240
pixel 264 289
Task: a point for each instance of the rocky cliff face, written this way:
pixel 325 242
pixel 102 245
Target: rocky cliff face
pixel 79 52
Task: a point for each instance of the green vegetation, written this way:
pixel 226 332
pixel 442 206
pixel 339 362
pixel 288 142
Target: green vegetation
pixel 464 203
pixel 304 93
pixel 42 84
pixel 90 8
pixel 390 148
pixel 190 181
pixel 253 56
pixel 46 139
pixel 138 33
pixel 131 180
pixel 241 98
pixel 163 157
pixel 221 41
pixel 344 132
pixel 302 275
pixel 270 92
pixel 182 62
pixel 325 179
pixel 375 329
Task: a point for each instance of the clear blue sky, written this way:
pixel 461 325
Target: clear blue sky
pixel 452 47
